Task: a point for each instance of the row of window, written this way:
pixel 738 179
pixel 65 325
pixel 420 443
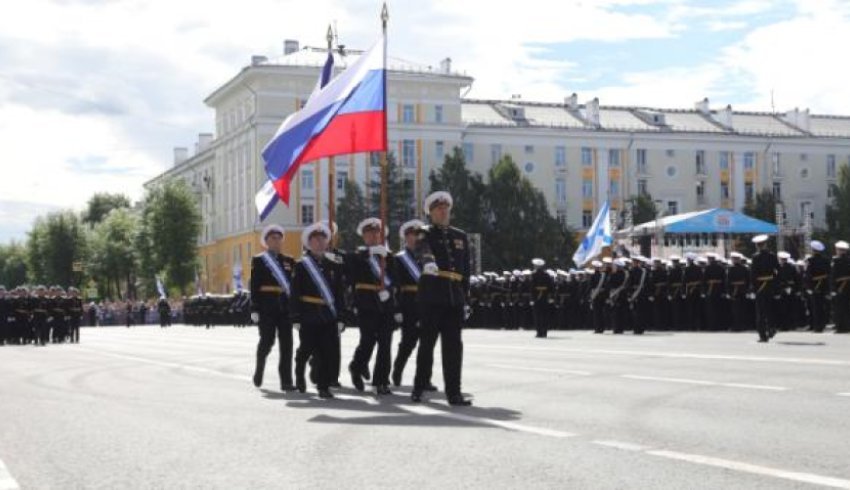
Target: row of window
pixel 408 114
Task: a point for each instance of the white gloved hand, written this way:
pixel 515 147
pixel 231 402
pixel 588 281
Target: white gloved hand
pixel 833 294
pixel 255 317
pixel 398 317
pixel 467 312
pixel 383 295
pixel 296 326
pixel 809 292
pixel 340 327
pixel 333 257
pixel 378 250
pixel 551 301
pixel 652 299
pixel 787 290
pixel 430 268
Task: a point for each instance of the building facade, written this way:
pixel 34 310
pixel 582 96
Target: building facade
pixel 577 154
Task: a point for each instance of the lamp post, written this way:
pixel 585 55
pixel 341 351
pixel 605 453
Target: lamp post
pixel 659 236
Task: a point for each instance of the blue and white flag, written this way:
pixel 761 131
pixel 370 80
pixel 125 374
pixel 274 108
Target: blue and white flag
pixel 598 237
pixel 198 289
pixel 267 198
pixel 237 277
pixel 160 287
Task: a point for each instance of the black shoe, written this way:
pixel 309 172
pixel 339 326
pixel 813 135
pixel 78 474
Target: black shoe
pixel 258 378
pixel 334 384
pixel 312 375
pixel 396 377
pixel 430 387
pixel 383 390
pixel 365 374
pixel 459 401
pixel 287 387
pixel 772 334
pixel 300 384
pixel 356 380
pixel 416 396
pixel 762 340
pixel 325 393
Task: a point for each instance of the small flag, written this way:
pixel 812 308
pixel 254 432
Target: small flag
pixel 160 287
pixel 598 237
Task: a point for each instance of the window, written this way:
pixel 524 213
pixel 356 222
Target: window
pixel 440 150
pixel 642 187
pixel 830 166
pixel 467 152
pixel 341 177
pixel 561 191
pixel 830 191
pixel 777 168
pixel 724 160
pixel 560 156
pixel 561 215
pixel 804 173
pixel 407 114
pixel 672 208
pixel 586 157
pixel 307 183
pixel 748 191
pixel 749 160
pixel 700 162
pixel 306 214
pixel 777 191
pixel 700 187
pixel 586 219
pixel 408 153
pixel 587 188
pixel 438 114
pixel 671 171
pixel 613 158
pixel 670 153
pixel 805 208
pixel 529 167
pixel 495 154
pixel 724 191
pixel 804 157
pixel 640 160
pixel 529 150
pixel 614 188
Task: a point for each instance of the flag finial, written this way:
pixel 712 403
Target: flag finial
pixel 385 16
pixel 330 37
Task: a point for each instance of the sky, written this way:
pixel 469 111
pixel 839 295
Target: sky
pixel 95 94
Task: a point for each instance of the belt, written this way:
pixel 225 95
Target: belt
pixel 820 277
pixel 363 286
pixel 541 288
pixel 453 276
pixel 764 278
pixel 271 289
pixel 39 310
pixel 842 279
pixel 714 281
pixel 410 288
pixel 314 300
pixel 738 283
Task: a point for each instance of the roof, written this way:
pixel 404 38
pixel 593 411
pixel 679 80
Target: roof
pixel 717 220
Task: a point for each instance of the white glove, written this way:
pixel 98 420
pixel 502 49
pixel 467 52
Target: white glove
pixel 333 257
pixel 255 317
pixel 833 294
pixel 378 250
pixel 398 317
pixel 340 327
pixel 383 295
pixel 296 326
pixel 467 311
pixel 652 299
pixel 787 290
pixel 430 268
pixel 809 292
pixel 551 301
pixel 531 303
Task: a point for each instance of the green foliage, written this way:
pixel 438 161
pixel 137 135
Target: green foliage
pixel 54 244
pixel 467 188
pixel 13 265
pixel 643 209
pixel 114 257
pixel 400 197
pixel 763 207
pixel 838 210
pixel 101 204
pixel 171 224
pixel 350 211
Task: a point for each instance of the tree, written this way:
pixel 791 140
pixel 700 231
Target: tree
pixel 114 256
pixel 351 210
pixel 101 204
pixel 13 265
pixel 467 189
pixel 643 209
pixel 171 224
pixel 838 209
pixel 763 207
pixel 400 195
pixel 55 243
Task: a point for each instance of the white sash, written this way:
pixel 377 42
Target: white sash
pixel 376 269
pixel 320 282
pixel 277 272
pixel 411 266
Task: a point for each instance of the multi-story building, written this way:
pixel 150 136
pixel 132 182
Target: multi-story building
pixel 577 154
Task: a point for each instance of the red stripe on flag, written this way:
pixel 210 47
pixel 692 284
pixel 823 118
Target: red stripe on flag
pixel 357 132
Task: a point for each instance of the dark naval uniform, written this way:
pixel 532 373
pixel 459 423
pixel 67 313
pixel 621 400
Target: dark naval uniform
pixel 319 333
pixel 818 269
pixel 374 317
pixel 618 314
pixel 598 298
pixel 691 303
pixel 74 311
pixel 406 286
pixel 442 298
pixel 764 266
pixel 5 318
pixel 638 290
pixel 839 279
pixel 271 303
pixel 658 277
pixel 543 292
pixel 788 304
pixel 737 287
pixel 714 279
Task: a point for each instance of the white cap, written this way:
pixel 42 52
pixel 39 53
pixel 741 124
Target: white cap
pixel 818 246
pixel 268 230
pixel 760 238
pixel 736 255
pixel 516 272
pixel 526 272
pixel 801 263
pixel 620 262
pixel 331 226
pixel 538 262
pixel 841 245
pixel 712 255
pixel 414 223
pixel 675 258
pixel 783 255
pixel 596 263
pixel 691 256
pixel 437 197
pixel 607 260
pixel 314 228
pixel 701 260
pixel 370 222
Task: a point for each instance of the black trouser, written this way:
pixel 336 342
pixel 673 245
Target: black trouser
pixel 375 328
pixel 764 315
pixel 713 312
pixel 819 313
pixel 409 338
pixel 740 313
pixel 41 330
pixel 841 312
pixel 641 314
pixel 317 340
pixel 74 331
pixel 541 317
pixel 661 313
pixel 443 321
pixel 272 324
pixel 598 307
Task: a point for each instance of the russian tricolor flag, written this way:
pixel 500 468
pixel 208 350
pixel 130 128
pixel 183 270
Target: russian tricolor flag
pixel 347 116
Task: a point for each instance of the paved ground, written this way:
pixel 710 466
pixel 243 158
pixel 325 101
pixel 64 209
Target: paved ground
pixel 151 408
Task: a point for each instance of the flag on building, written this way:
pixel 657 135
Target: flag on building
pixel 267 198
pixel 347 116
pixel 237 277
pixel 160 287
pixel 598 237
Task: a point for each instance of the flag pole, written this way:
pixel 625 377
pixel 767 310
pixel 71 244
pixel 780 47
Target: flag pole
pixel 331 168
pixel 385 15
